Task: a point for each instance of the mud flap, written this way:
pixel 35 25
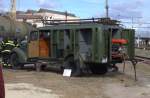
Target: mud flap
pixel 74 65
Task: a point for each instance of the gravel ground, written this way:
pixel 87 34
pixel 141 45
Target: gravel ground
pixel 24 90
pixel 31 84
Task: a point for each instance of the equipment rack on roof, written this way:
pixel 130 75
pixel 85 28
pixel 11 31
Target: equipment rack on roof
pixel 105 21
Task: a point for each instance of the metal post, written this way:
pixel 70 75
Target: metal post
pixel 132 22
pixel 107 9
pixel 66 15
pixel 13 9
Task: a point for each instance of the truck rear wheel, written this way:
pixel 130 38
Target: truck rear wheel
pixel 70 63
pixel 99 68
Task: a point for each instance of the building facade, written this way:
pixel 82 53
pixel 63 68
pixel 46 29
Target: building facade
pixel 35 17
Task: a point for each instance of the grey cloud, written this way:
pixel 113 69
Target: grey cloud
pixel 92 1
pixel 48 3
pixel 1 3
pixel 127 5
pixel 1 6
pixel 127 9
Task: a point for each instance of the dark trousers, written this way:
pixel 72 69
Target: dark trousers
pixel 6 58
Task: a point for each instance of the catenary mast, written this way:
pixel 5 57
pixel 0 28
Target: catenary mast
pixel 13 9
pixel 107 9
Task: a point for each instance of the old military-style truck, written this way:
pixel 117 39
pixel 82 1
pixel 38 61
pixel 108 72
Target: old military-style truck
pixel 78 45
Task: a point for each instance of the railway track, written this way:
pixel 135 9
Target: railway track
pixel 143 59
pixel 143 48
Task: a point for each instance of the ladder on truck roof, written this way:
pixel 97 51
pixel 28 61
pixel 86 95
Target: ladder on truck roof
pixel 105 21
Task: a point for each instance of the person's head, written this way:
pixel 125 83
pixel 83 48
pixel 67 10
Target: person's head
pixel 15 39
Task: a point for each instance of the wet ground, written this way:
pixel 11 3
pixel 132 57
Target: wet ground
pixel 31 84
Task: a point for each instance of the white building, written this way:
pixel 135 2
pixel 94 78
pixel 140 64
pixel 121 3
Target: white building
pixel 35 17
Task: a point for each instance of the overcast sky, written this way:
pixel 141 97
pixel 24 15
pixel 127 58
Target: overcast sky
pixel 119 9
pixel 86 8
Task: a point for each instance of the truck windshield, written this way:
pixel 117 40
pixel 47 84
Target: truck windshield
pixel 44 34
pixel 33 36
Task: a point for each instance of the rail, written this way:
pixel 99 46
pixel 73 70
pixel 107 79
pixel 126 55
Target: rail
pixel 143 59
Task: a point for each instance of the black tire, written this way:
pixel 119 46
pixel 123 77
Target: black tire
pixel 14 61
pixel 99 69
pixel 73 65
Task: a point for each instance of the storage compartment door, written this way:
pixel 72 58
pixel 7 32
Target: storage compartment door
pixel 44 48
pixel 33 49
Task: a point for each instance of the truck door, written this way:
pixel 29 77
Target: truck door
pixel 44 44
pixel 129 34
pixel 33 45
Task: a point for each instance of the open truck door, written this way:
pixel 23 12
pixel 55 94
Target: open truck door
pixel 33 45
pixel 129 35
pixel 39 44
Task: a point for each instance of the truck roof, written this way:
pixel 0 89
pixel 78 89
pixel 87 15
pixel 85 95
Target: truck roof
pixel 80 23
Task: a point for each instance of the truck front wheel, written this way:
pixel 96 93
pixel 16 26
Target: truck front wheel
pixel 14 61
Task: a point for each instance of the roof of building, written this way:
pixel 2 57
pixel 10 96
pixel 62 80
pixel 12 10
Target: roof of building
pixel 31 11
pixel 56 12
pixel 20 12
pixel 41 10
pixel 29 16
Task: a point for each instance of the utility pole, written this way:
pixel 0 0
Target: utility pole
pixel 107 8
pixel 13 17
pixel 132 21
pixel 66 16
pixel 13 9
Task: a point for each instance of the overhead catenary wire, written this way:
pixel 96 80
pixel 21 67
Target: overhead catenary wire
pixel 135 22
